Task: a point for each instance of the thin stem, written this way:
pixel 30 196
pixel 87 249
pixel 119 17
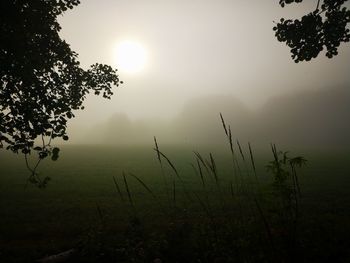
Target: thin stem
pixel 43 140
pixel 50 139
pixel 27 163
pixel 37 164
pixel 318 4
pixel 30 169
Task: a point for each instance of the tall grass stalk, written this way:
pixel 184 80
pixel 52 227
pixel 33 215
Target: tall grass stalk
pixel 205 192
pixel 160 156
pixel 203 163
pixel 228 134
pixel 251 188
pixel 148 190
pixel 99 211
pixel 118 190
pixel 128 191
pixel 144 186
pixel 232 191
pixel 173 168
pixel 165 182
pixel 241 189
pixel 174 192
pixel 207 187
pixel 248 179
pixel 253 164
pixel 212 166
pixel 199 173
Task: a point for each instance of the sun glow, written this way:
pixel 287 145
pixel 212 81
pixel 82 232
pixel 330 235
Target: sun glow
pixel 130 56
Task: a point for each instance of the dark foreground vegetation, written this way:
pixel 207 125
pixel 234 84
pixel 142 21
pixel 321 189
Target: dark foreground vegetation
pixel 149 205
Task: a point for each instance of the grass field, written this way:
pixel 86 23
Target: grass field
pixel 81 207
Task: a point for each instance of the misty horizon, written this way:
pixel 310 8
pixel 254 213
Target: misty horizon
pixel 309 118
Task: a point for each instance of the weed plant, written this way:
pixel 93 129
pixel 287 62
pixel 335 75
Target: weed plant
pixel 224 220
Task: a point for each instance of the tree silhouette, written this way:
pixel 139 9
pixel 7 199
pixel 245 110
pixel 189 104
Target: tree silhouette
pixel 42 82
pixel 323 28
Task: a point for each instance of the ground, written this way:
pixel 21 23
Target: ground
pixel 81 208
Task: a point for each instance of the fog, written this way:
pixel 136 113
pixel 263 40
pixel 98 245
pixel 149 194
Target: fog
pixel 207 57
pixel 316 119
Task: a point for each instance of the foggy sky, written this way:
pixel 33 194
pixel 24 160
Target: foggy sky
pixel 200 51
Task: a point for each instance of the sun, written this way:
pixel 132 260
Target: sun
pixel 130 56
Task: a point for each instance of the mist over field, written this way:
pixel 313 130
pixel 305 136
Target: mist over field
pixel 312 118
pixel 116 119
pixel 203 58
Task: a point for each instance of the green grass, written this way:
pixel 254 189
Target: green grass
pixel 35 222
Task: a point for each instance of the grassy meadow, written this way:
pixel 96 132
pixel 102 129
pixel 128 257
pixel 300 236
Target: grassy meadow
pixel 110 202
